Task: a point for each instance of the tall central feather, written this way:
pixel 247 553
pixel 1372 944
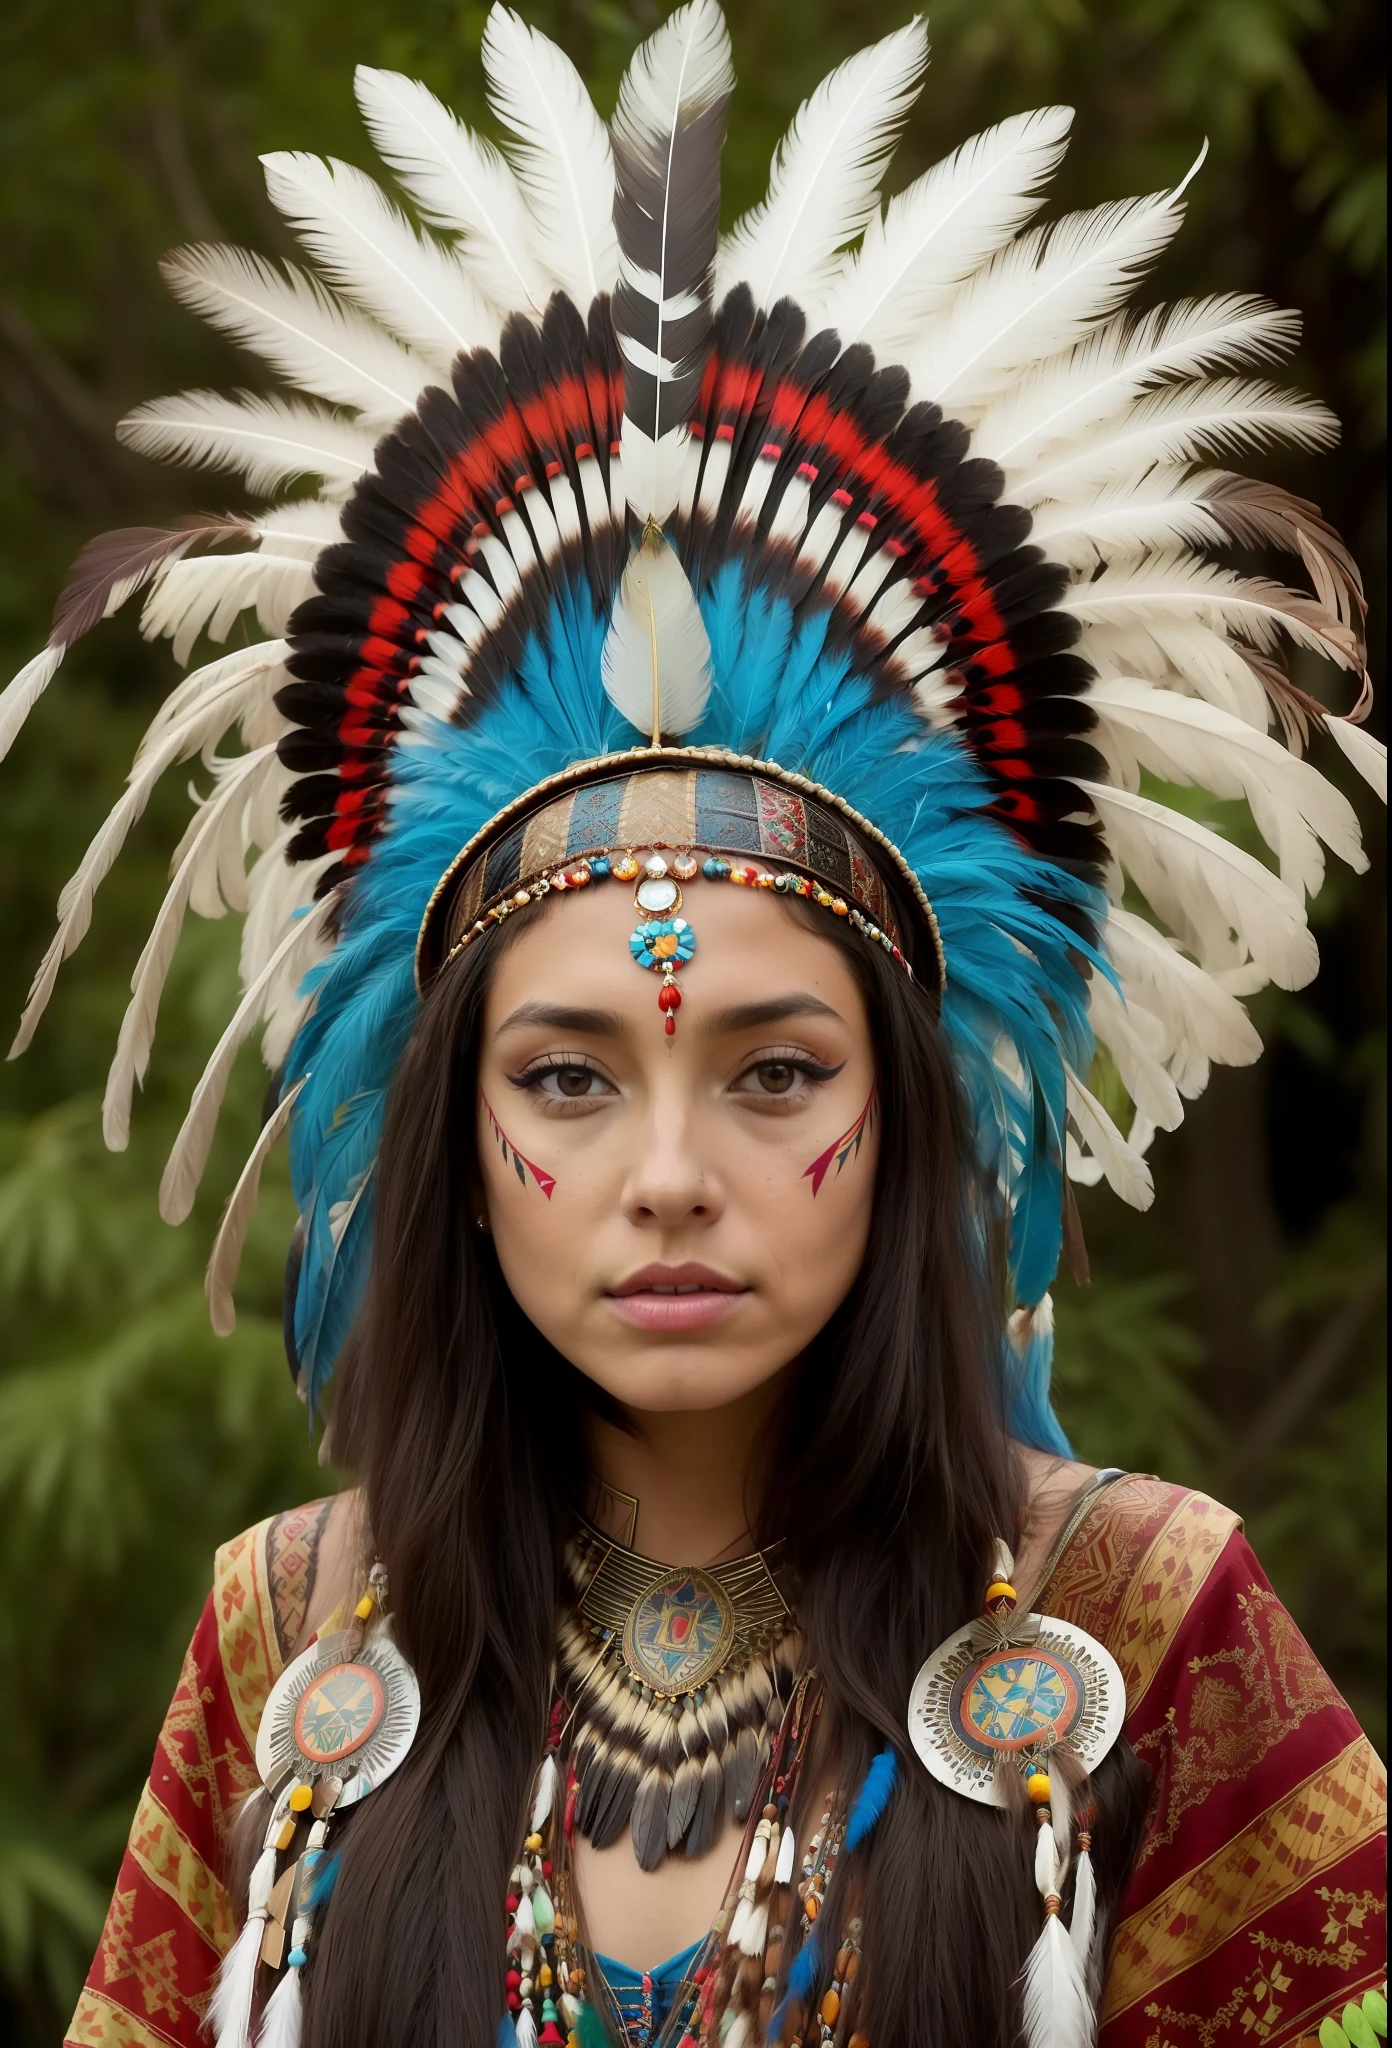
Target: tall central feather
pixel 668 131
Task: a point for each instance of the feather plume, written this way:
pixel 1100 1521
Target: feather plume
pixel 460 183
pixel 1368 754
pixel 230 2007
pixel 1190 742
pixel 872 1799
pixel 656 659
pixel 1177 585
pixel 1039 296
pixel 1126 1171
pixel 561 156
pixel 236 1218
pixel 282 2020
pixel 1057 2011
pixel 1098 379
pixel 1134 1039
pixel 668 130
pixel 367 249
pixel 216 849
pixel 825 177
pixel 206 594
pixel 946 225
pixel 1178 424
pixel 269 440
pixel 1083 1923
pixel 1207 890
pixel 309 336
pixel 19 697
pixel 1198 1022
pixel 190 1151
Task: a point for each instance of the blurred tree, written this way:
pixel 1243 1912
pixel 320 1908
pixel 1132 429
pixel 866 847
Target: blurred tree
pixel 1233 1339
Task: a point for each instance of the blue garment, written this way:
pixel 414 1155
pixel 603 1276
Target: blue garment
pixel 644 1998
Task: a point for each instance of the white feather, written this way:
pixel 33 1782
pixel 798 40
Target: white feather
pixel 1207 890
pixel 1186 655
pixel 206 593
pixel 1367 753
pixel 312 338
pixel 1126 1171
pixel 1196 1021
pixel 19 697
pixel 1057 2010
pixel 267 438
pixel 825 177
pixel 459 182
pixel 1161 510
pixel 1039 296
pixel 949 222
pixel 1178 424
pixel 189 1156
pixel 562 156
pixel 367 248
pixel 1187 741
pixel 229 2009
pixel 214 696
pixel 1084 1919
pixel 1097 380
pixel 1135 1040
pixel 281 2022
pixel 213 850
pixel 241 1207
pixel 1179 586
pixel 656 663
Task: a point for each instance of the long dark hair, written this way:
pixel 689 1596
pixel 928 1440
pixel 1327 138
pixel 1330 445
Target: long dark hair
pixel 891 1474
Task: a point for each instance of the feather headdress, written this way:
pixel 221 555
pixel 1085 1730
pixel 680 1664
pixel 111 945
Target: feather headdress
pixel 896 496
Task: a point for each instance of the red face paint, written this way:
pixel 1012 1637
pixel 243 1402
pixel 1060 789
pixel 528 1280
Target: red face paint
pixel 521 1165
pixel 842 1148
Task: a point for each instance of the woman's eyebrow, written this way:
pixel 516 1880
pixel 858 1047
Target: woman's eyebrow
pixel 750 1016
pixel 564 1017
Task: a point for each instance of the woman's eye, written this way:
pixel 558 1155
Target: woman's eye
pixel 574 1081
pixel 565 1081
pixel 776 1077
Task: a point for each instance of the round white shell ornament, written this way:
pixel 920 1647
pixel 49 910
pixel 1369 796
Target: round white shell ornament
pixel 345 1710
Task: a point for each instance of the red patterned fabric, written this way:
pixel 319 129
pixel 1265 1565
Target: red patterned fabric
pixel 1256 1905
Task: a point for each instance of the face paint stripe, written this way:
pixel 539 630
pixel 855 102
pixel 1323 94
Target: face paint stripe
pixel 843 1148
pixel 518 1161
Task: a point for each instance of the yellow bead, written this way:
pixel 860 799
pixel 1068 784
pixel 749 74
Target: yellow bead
pixel 300 1798
pixel 1037 1785
pixel 831 2007
pixel 1000 1589
pixel 533 1842
pixel 544 1976
pixel 364 1607
pixel 286 1835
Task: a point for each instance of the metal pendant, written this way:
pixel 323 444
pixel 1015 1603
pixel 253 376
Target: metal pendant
pixel 983 1700
pixel 342 1711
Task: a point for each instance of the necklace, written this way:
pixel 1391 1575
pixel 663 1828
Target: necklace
pixel 677 1678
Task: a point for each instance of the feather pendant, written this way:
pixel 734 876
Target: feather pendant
pixel 872 1798
pixel 744 1759
pixel 1082 1926
pixel 1367 753
pixel 686 1790
pixel 824 180
pixel 648 1823
pixel 656 662
pixel 1057 2011
pixel 710 1807
pixel 227 1247
pixel 561 155
pixel 282 2020
pixel 668 132
pixel 946 225
pixel 229 2009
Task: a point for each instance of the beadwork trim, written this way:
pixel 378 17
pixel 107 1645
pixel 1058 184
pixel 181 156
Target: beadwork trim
pixel 636 761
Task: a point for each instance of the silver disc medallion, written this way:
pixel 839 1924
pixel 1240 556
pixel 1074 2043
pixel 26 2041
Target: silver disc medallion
pixel 977 1703
pixel 339 1713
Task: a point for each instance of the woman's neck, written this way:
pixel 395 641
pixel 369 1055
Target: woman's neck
pixel 695 1477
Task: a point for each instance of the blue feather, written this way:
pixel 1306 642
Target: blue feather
pixel 802 1978
pixel 320 1888
pixel 872 1798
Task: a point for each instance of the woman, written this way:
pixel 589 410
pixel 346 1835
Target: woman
pixel 719 1644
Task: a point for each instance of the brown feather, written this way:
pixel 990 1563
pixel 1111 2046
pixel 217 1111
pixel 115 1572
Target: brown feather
pixel 115 565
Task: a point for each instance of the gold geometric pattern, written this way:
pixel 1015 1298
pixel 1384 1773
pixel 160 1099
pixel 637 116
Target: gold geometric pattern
pixel 170 1861
pixel 1305 1832
pixel 100 2023
pixel 1163 1589
pixel 1250 1696
pixel 251 1659
pixel 184 1739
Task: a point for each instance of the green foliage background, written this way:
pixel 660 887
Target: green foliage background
pixel 1232 1339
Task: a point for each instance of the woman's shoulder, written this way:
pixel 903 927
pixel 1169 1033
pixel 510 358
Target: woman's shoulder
pixel 277 1584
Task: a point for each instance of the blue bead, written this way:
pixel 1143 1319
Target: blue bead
pixel 296 1959
pixel 599 867
pixel 715 869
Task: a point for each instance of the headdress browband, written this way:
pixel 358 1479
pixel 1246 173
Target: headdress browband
pixel 595 820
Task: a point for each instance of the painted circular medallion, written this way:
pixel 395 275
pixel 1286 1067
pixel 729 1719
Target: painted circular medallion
pixel 1015 1700
pixel 340 1711
pixel 679 1633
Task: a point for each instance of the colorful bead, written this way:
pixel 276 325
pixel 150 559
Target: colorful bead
pixel 286 1835
pixel 623 867
pixel 600 868
pixel 655 867
pixel 1037 1786
pixel 300 1798
pixel 684 867
pixel 364 1607
pixel 715 869
pixel 830 2007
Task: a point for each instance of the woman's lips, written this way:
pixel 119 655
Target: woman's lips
pixel 685 1297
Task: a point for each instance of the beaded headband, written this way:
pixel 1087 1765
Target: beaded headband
pixel 680 815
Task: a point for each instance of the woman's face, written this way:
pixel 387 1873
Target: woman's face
pixel 678 1215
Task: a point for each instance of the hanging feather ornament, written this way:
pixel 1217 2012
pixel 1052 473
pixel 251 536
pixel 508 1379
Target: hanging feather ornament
pixel 1007 1711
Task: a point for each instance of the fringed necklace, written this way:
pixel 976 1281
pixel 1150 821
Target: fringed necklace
pixel 676 1681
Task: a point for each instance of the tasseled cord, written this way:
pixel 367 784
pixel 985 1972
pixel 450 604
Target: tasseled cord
pixel 870 1802
pixel 229 2012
